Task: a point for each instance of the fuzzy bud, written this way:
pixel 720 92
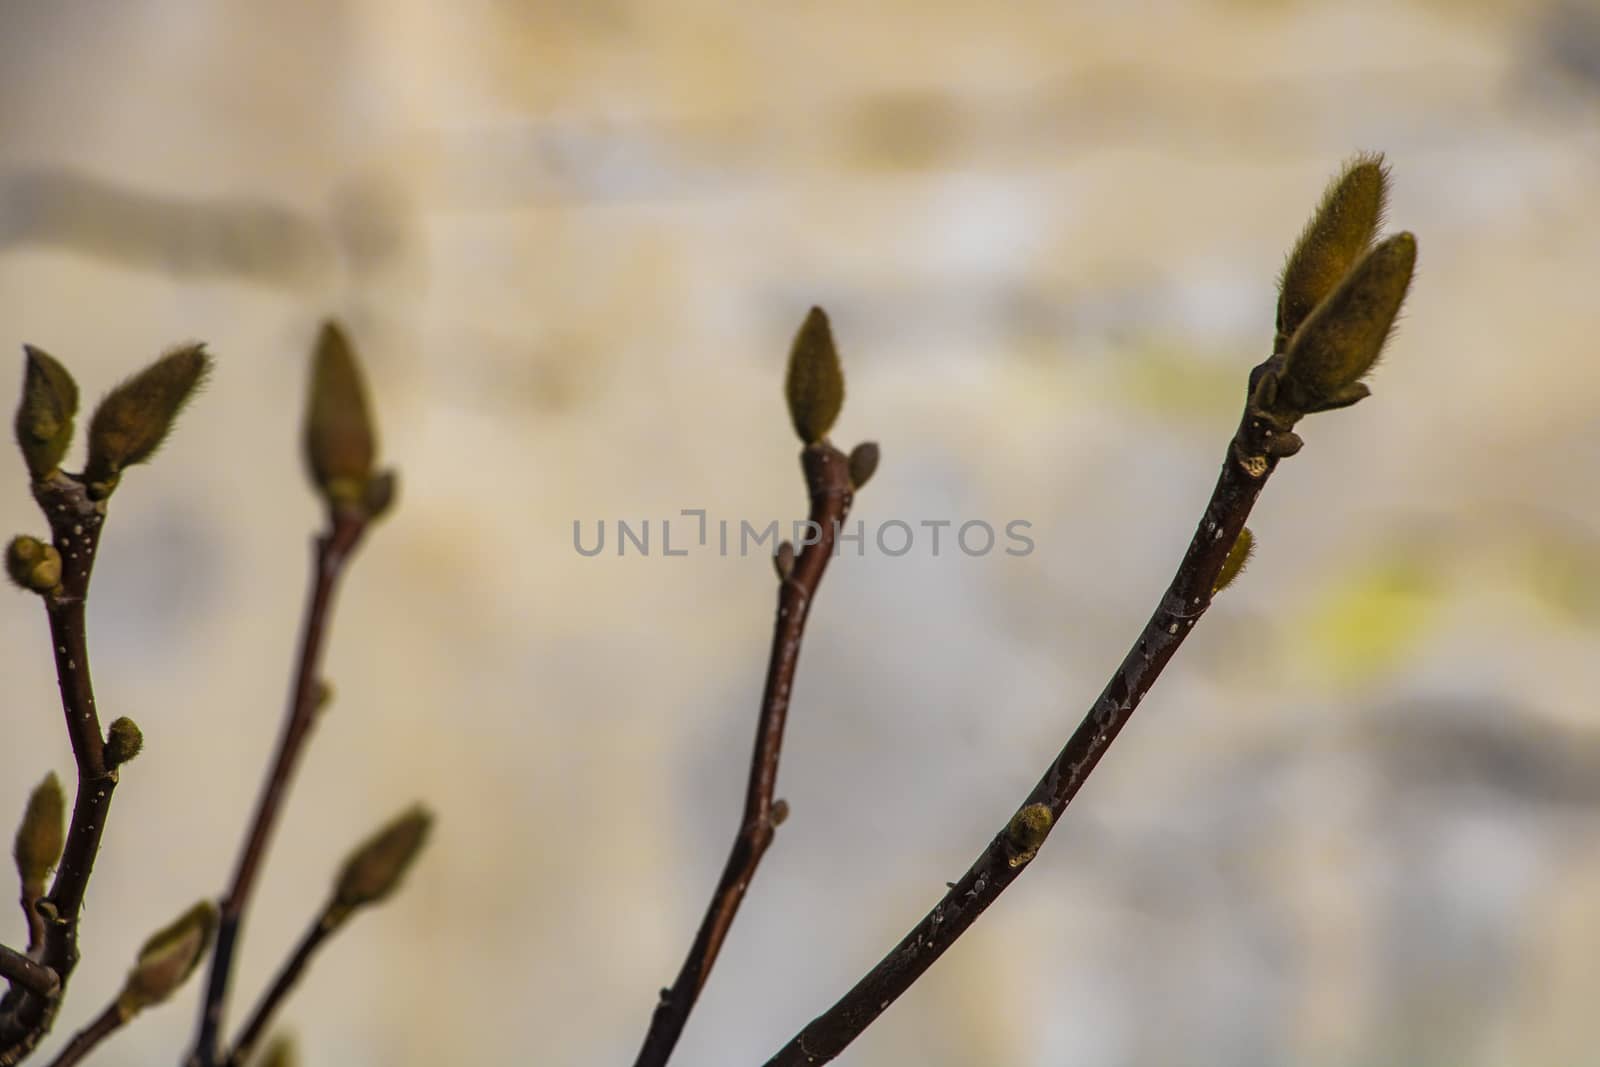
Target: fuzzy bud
pixel 136 416
pixel 815 383
pixel 863 463
pixel 45 413
pixel 375 869
pixel 1238 556
pixel 124 740
pixel 780 812
pixel 1337 236
pixel 1026 832
pixel 41 836
pixel 168 959
pixel 1338 344
pixel 340 440
pixel 32 564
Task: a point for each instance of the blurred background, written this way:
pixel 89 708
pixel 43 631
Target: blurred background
pixel 1357 822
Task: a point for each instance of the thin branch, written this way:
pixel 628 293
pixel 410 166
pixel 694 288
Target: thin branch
pixel 76 523
pixel 1252 456
pixel 333 550
pixel 283 984
pixel 31 975
pixel 84 1041
pixel 828 484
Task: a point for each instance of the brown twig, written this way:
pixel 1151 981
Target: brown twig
pixel 333 550
pixel 828 484
pixel 31 975
pixel 84 1041
pixel 283 984
pixel 76 523
pixel 1252 456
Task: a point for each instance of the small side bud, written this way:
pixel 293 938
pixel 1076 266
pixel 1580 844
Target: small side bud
pixel 815 383
pixel 340 440
pixel 783 561
pixel 44 415
pixel 41 836
pixel 136 416
pixel 1234 564
pixel 863 463
pixel 1026 832
pixel 1341 340
pixel 32 564
pixel 1337 236
pixel 374 870
pixel 377 496
pixel 168 959
pixel 124 740
pixel 780 811
pixel 281 1053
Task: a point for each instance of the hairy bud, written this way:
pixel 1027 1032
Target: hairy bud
pixel 1337 236
pixel 32 564
pixel 815 383
pixel 1238 556
pixel 1339 343
pixel 168 959
pixel 124 740
pixel 375 869
pixel 340 439
pixel 41 836
pixel 136 416
pixel 1026 832
pixel 44 415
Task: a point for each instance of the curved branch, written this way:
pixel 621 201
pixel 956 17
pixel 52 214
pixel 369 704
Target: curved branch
pixel 1252 456
pixel 828 484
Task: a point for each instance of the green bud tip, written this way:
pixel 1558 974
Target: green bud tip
pixel 1233 565
pixel 1336 237
pixel 780 811
pixel 1340 342
pixel 863 463
pixel 42 834
pixel 1026 832
pixel 168 959
pixel 815 383
pixel 45 413
pixel 340 439
pixel 136 416
pixel 375 869
pixel 32 564
pixel 124 740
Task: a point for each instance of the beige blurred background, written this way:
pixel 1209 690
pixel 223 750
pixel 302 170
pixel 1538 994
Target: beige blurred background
pixel 1357 823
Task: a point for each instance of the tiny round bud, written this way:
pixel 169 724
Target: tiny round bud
pixel 124 739
pixel 783 561
pixel 32 564
pixel 780 811
pixel 1026 832
pixel 863 463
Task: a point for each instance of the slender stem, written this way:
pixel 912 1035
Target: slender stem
pixel 84 1041
pixel 76 524
pixel 326 925
pixel 1250 461
pixel 333 550
pixel 31 975
pixel 828 484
